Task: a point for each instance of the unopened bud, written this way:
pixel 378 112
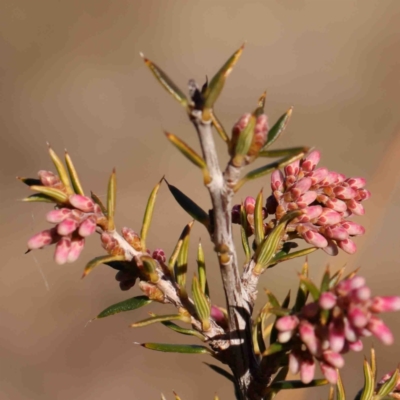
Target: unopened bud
pixel 132 238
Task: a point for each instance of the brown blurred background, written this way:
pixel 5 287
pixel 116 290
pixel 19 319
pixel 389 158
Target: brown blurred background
pixel 71 74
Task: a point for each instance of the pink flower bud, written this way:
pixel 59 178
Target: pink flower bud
pixel 284 337
pixel 347 245
pixel 385 304
pixel 355 207
pixel 336 335
pixel 380 330
pixel 88 226
pixel 329 372
pixel 313 238
pixel 277 180
pixel 49 179
pixel 357 317
pixel 237 130
pixel 335 232
pixel 62 250
pixel 344 193
pixel 259 136
pixel 77 245
pixel 66 227
pixel 329 217
pixel 347 285
pixel 307 370
pixel 330 179
pixel 363 194
pixel 287 323
pixel 356 346
pixel 159 255
pixel 356 183
pixel 334 204
pixel 318 175
pixel 42 239
pixel 294 362
pixel 352 228
pixel 219 317
pixel 327 300
pixel 300 187
pixel 331 249
pixel 56 216
pixel 249 204
pixel 82 203
pixel 349 333
pixel 313 212
pixel 361 294
pixel 293 168
pixel 334 359
pixel 306 199
pixel 308 337
pixel 311 161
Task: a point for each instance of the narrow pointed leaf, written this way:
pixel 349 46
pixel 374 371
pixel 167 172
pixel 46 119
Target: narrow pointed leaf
pixel 302 292
pixel 126 305
pixel 187 151
pixel 260 105
pixel 178 348
pixel 100 260
pixel 201 304
pixel 275 348
pixel 325 280
pixel 272 299
pixel 178 246
pixel 150 267
pixel 278 128
pixel 166 82
pixel 157 318
pixel 389 385
pixel 163 397
pixel 311 287
pixel 183 331
pixel 201 270
pixel 190 206
pixel 259 338
pixel 286 300
pixel 56 194
pixel 283 385
pixel 111 200
pixel 176 396
pixel 97 200
pixel 73 174
pixel 219 128
pixel 221 372
pixel 369 383
pixel 291 151
pixel 258 219
pixel 217 82
pixel 245 138
pixel 267 169
pixel 30 181
pixel 182 261
pixel 62 172
pixel 340 393
pixel 373 363
pixel 243 232
pixel 148 214
pixel 280 257
pixel 38 198
pixel 331 393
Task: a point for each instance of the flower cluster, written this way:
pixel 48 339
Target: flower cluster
pixel 332 325
pixel 327 198
pixel 75 219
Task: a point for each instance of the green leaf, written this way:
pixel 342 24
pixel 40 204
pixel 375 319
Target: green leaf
pixel 126 305
pixel 336 278
pixel 178 246
pixel 111 200
pixel 302 292
pixel 97 200
pixel 217 82
pixel 190 206
pixel 283 385
pixel 258 338
pixel 260 105
pixel 219 128
pixel 201 304
pixel 221 372
pixel 30 181
pixel 311 287
pixel 100 260
pixel 258 219
pixel 389 385
pixel 166 82
pixel 325 280
pixel 183 331
pixel 244 141
pixel 148 214
pixel 178 348
pixel 243 233
pixel 73 174
pixel 181 264
pixel 340 393
pixel 369 383
pixel 158 318
pixel 150 267
pixel 272 299
pixel 278 128
pixel 62 172
pixel 275 348
pixel 38 198
pixel 280 257
pixel 267 169
pixel 291 151
pixel 286 300
pixel 373 363
pixel 57 195
pixel 201 270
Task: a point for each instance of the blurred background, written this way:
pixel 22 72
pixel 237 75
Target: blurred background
pixel 71 74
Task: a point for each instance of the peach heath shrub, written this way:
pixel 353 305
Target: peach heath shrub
pixel 309 208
